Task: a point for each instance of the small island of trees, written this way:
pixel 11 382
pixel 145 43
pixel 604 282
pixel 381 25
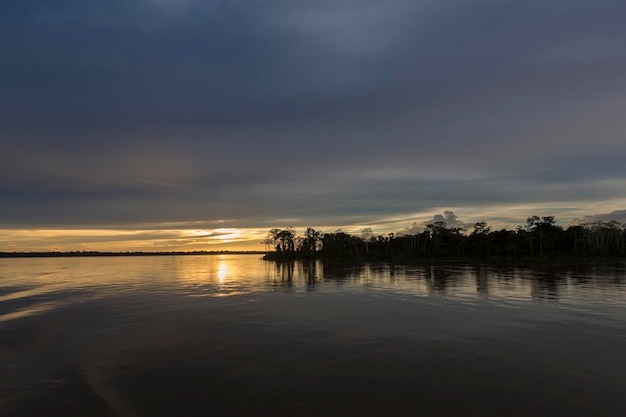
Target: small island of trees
pixel 539 237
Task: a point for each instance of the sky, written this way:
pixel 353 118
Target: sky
pixel 200 125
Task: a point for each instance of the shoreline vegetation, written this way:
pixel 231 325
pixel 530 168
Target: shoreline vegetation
pixel 55 254
pixel 540 238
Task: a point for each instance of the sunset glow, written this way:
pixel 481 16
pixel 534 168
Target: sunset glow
pixel 164 238
pixel 334 115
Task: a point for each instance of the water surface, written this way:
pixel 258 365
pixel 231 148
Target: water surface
pixel 233 335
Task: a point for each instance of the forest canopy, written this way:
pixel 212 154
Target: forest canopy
pixel 540 236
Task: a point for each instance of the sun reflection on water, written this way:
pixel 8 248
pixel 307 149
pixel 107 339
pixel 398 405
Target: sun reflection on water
pixel 222 271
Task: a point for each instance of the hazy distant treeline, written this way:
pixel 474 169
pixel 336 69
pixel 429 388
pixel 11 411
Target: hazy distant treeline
pixel 56 254
pixel 539 237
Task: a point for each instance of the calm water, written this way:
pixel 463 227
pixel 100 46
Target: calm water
pixel 233 335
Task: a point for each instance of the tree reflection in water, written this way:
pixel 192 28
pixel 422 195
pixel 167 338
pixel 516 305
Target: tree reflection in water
pixel 539 282
pixel 238 336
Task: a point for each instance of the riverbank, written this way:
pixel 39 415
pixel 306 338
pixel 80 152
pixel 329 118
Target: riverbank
pixel 90 253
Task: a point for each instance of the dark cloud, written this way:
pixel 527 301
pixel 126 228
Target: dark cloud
pixel 218 62
pixel 325 112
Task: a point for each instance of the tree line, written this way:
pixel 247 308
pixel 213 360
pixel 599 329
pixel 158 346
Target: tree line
pixel 540 236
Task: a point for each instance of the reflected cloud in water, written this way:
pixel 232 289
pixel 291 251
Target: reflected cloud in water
pixel 38 285
pixel 171 334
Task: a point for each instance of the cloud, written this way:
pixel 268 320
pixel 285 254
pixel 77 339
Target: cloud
pixel 448 217
pixel 230 63
pixel 617 215
pixel 346 113
pixel 151 237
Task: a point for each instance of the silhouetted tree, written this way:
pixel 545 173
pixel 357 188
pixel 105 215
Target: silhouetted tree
pixel 479 239
pixel 539 237
pixel 310 242
pixel 284 239
pixel 543 231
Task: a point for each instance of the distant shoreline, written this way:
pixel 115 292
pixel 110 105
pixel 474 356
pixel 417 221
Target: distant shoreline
pixel 551 258
pixel 95 253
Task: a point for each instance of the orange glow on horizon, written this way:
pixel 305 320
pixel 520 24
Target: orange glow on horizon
pixel 194 236
pixel 106 240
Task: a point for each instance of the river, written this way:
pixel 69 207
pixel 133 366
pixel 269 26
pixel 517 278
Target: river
pixel 233 335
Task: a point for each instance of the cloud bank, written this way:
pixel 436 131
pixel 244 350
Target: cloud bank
pixel 133 114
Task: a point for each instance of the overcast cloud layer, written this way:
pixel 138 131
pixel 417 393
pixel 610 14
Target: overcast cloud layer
pixel 272 113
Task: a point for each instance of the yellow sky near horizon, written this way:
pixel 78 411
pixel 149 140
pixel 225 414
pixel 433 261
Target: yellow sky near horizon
pixel 192 237
pixel 112 240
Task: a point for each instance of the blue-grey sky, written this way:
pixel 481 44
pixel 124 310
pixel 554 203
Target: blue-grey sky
pixel 158 117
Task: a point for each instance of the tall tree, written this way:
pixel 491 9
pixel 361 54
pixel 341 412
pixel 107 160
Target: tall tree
pixel 284 239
